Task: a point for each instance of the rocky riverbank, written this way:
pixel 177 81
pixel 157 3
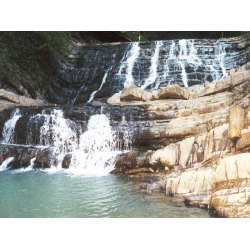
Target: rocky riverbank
pixel 204 143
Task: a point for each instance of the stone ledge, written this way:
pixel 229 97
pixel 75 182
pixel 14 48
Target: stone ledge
pixel 9 96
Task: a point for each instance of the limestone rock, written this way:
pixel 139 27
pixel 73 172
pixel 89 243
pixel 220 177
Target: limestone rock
pixel 244 141
pixel 209 88
pixel 231 199
pixel 167 157
pixel 173 92
pixel 191 181
pixel 133 93
pixel 185 150
pixel 23 100
pixel 236 122
pixel 237 78
pixel 223 85
pixel 114 99
pixel 233 167
pixel 247 123
pixel 155 94
pixel 196 91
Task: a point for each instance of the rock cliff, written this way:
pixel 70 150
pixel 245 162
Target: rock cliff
pixel 203 142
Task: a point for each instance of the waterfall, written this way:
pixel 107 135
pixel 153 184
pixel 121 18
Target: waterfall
pixel 153 69
pixel 57 132
pixel 146 64
pixel 129 63
pixel 103 81
pixel 9 127
pixel 220 57
pixel 92 152
pixel 5 164
pixel 97 148
pixel 74 100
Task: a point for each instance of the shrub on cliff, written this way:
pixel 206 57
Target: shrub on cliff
pixel 26 58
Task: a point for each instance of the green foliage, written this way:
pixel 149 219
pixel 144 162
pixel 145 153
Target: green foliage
pixel 25 57
pixel 228 119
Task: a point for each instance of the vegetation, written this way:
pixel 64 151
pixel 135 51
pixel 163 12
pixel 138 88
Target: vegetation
pixel 26 57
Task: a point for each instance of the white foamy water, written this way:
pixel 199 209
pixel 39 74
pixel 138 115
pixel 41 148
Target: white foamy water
pixel 103 81
pixel 9 127
pixel 97 148
pixel 56 132
pixel 5 163
pixel 93 153
pixel 129 64
pixel 29 168
pixel 153 69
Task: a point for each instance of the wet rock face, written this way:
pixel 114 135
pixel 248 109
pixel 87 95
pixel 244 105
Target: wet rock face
pixel 22 155
pixel 149 64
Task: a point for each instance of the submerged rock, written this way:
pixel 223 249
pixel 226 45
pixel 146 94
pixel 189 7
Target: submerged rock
pixel 66 161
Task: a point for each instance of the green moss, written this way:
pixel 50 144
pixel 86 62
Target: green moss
pixel 228 119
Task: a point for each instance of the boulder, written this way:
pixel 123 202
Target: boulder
pixel 173 92
pixel 209 88
pixel 237 78
pixel 114 99
pixel 167 157
pixel 155 94
pixel 134 93
pixel 23 100
pixel 127 160
pixel 66 161
pixel 43 159
pixel 244 141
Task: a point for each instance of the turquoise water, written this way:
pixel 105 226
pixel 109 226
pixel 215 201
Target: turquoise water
pixel 39 194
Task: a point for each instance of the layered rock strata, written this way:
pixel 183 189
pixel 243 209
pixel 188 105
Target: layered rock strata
pixel 204 143
pixel 183 139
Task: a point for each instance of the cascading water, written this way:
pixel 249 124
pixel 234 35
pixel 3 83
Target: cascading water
pixel 153 69
pixel 147 64
pixel 5 163
pixel 97 148
pixel 9 127
pixel 103 81
pixel 131 61
pixel 91 152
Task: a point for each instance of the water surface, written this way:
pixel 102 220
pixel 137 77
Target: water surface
pixel 36 193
